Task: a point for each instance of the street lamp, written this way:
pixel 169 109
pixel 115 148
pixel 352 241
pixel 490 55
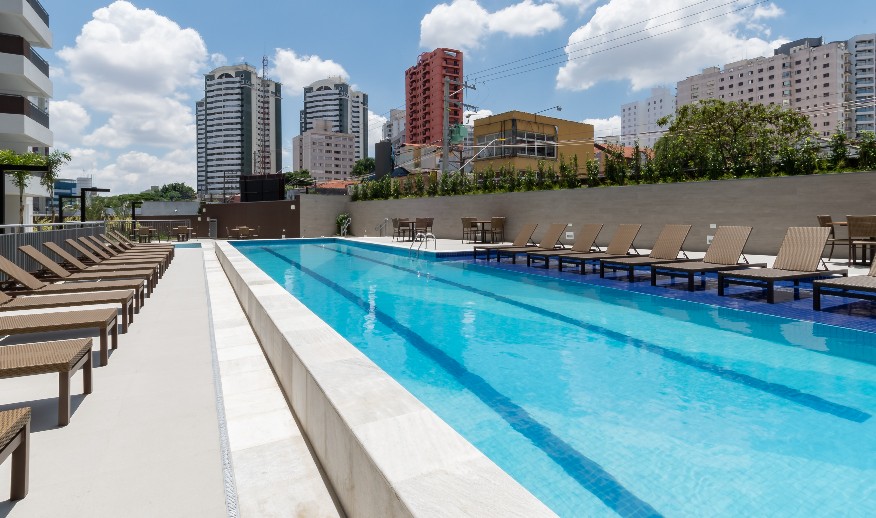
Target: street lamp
pixel 535 115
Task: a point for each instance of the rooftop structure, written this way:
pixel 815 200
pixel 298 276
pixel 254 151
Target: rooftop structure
pixel 333 100
pixel 424 95
pixel 325 153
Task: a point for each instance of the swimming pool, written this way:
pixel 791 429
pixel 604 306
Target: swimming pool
pixel 602 401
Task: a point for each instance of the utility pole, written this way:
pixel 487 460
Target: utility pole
pixel 264 159
pixel 445 151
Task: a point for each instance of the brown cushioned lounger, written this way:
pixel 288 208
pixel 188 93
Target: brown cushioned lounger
pixel 666 250
pixel 15 442
pixel 104 320
pixel 520 241
pixel 55 272
pixel 112 252
pixel 23 283
pixel 125 298
pixel 63 356
pixel 70 262
pixel 722 255
pixel 584 243
pixel 857 287
pixel 549 241
pixel 126 243
pixel 619 246
pixel 798 259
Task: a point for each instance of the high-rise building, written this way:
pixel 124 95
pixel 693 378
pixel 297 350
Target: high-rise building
pixel 325 153
pixel 424 95
pixel 639 118
pixel 805 75
pixel 394 128
pixel 862 53
pixel 333 100
pixel 25 88
pixel 239 133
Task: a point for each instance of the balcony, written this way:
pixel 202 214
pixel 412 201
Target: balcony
pixel 23 124
pixel 27 18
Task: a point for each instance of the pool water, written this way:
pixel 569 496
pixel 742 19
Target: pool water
pixel 604 402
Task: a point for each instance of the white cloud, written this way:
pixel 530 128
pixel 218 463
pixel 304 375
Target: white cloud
pixel 463 24
pixel 136 66
pixel 581 5
pixel 218 60
pixel 296 72
pixel 675 48
pixel 69 120
pixel 375 130
pixel 605 127
pixel 136 171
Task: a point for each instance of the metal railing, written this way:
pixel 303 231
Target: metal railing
pixel 162 229
pixel 381 228
pixel 37 234
pixel 40 10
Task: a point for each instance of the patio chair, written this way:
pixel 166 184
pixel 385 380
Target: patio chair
pixel 857 287
pixel 468 227
pixel 832 240
pixel 125 298
pixel 666 249
pixel 15 442
pixel 722 255
pixel 21 282
pixel 423 225
pixel 522 240
pixel 619 246
pixel 585 242
pixel 55 272
pixel 862 233
pixel 549 241
pixel 497 228
pixel 104 320
pixel 798 259
pixel 243 232
pixel 64 357
pixel 144 235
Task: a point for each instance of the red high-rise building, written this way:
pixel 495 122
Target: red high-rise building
pixel 424 95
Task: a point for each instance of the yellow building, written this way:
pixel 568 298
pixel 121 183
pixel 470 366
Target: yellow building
pixel 522 140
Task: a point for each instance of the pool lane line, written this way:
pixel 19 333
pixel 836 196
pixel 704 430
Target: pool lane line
pixel 776 389
pixel 587 472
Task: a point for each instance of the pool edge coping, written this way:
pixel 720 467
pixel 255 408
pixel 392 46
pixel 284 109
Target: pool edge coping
pixel 376 466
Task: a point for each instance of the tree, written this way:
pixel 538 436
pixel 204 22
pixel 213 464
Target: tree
pixel 713 139
pixel 363 167
pixel 867 150
pixel 21 179
pixel 176 191
pixel 54 162
pixel 839 149
pixel 298 179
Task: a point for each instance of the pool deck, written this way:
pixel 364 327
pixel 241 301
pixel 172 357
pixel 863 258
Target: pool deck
pixel 187 419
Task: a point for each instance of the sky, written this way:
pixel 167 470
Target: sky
pixel 127 73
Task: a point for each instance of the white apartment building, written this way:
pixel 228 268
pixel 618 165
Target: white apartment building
pixel 25 89
pixel 325 153
pixel 639 118
pixel 805 75
pixel 238 129
pixel 332 100
pixel 862 53
pixel 394 128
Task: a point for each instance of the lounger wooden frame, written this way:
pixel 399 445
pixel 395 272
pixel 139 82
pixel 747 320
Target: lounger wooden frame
pixel 549 241
pixel 107 254
pixel 68 260
pixel 104 320
pixel 522 239
pixel 619 246
pixel 15 442
pixel 723 254
pixel 798 259
pixel 54 271
pixel 585 242
pixel 857 287
pixel 666 249
pixel 64 357
pixel 125 298
pixel 89 257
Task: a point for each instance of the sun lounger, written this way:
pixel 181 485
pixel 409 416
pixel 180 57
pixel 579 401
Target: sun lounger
pixel 15 442
pixel 22 283
pixel 857 287
pixel 549 241
pixel 722 255
pixel 70 262
pixel 520 241
pixel 619 246
pixel 125 298
pixel 666 250
pixel 65 357
pixel 88 256
pixel 104 320
pixel 113 252
pixel 124 242
pixel 798 259
pixel 584 243
pixel 54 271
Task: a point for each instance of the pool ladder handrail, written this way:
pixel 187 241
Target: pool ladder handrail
pixel 346 226
pixel 382 227
pixel 421 238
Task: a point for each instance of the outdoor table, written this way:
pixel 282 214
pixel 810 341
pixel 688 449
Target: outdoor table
pixel 410 224
pixel 483 226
